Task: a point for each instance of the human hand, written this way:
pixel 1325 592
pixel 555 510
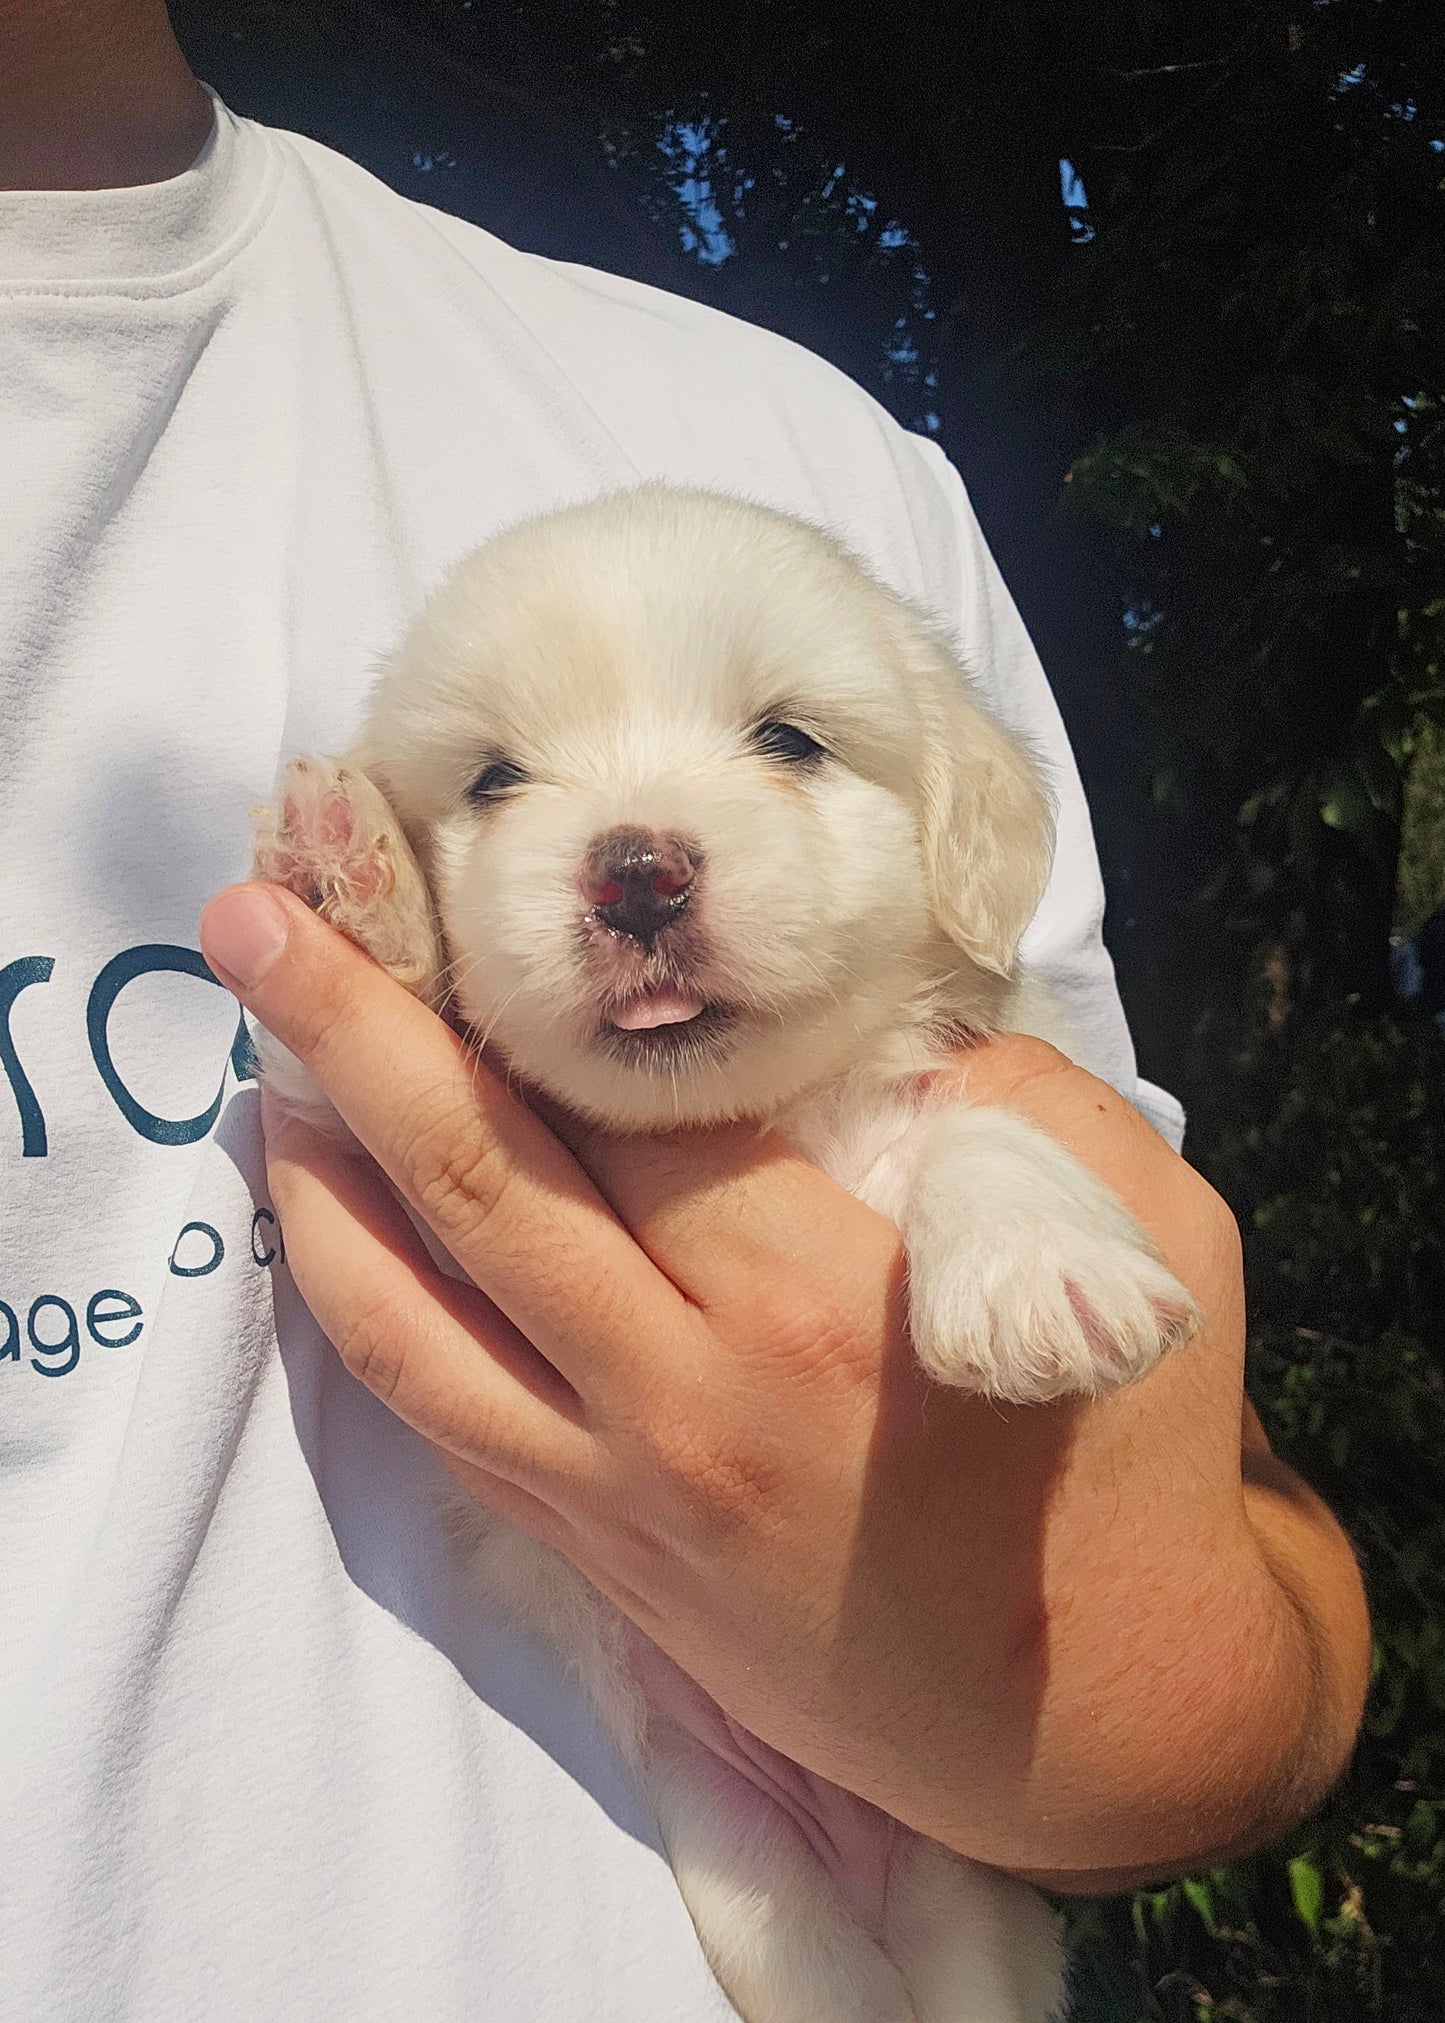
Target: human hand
pixel 684 1364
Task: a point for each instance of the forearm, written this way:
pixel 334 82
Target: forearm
pixel 1202 1730
pixel 1184 1683
pixel 1169 1657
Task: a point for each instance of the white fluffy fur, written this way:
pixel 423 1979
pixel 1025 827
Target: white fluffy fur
pixel 857 917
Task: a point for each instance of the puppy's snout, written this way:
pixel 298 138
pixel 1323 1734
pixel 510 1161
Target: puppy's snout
pixel 638 882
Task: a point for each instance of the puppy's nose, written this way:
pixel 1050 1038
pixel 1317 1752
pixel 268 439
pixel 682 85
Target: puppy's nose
pixel 639 882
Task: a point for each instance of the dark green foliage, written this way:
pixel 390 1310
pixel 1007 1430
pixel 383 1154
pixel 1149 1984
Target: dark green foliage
pixel 1420 887
pixel 1257 330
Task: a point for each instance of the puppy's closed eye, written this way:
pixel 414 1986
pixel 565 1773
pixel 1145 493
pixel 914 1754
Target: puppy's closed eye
pixel 788 742
pixel 495 779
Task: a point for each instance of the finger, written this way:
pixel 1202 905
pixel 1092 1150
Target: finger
pixel 735 1209
pixel 438 1352
pixel 587 1542
pixel 507 1200
pixel 510 1500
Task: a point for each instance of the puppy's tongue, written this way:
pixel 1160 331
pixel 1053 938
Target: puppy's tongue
pixel 661 1007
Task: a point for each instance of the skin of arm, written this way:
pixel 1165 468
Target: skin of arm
pixel 1096 1643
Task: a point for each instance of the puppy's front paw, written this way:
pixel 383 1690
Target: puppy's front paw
pixel 331 837
pixel 1029 1315
pixel 1028 1279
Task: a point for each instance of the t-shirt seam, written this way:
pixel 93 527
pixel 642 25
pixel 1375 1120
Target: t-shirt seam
pixel 522 323
pixel 950 495
pixel 638 294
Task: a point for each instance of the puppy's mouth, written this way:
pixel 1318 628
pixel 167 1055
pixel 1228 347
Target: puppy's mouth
pixel 665 1024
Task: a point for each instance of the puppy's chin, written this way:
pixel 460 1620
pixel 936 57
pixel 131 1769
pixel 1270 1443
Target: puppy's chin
pixel 700 1043
pixel 724 1064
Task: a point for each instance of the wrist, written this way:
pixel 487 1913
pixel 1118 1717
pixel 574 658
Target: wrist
pixel 1161 1723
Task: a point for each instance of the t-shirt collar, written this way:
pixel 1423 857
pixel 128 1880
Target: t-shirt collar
pixel 151 239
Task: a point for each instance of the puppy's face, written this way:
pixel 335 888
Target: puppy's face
pixel 705 810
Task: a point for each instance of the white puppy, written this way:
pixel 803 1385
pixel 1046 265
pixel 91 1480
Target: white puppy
pixel 690 818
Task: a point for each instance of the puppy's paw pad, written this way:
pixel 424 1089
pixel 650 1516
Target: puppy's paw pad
pixel 321 840
pixel 332 837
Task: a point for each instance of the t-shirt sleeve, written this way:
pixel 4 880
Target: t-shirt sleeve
pixel 1064 946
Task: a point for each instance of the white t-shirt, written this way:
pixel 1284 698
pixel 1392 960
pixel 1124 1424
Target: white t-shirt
pixel 257 1760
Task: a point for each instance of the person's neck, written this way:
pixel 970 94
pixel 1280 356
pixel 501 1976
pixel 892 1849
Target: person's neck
pixel 95 95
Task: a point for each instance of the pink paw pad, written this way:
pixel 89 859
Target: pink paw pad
pixel 317 846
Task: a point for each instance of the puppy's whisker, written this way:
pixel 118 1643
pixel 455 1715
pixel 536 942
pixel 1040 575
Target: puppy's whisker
pixel 460 979
pixel 448 972
pixel 453 980
pixel 498 1015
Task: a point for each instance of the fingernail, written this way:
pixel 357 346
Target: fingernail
pixel 243 931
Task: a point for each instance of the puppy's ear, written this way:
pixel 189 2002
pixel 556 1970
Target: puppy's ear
pixel 988 830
